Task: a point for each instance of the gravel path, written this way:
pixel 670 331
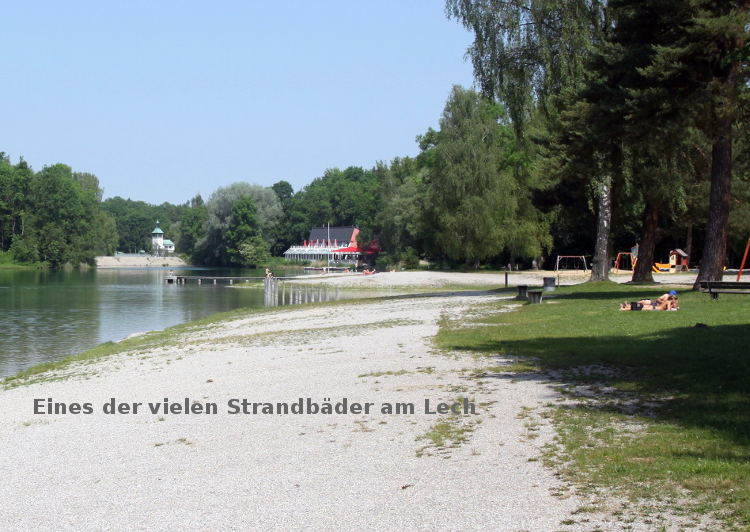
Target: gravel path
pixel 431 279
pixel 332 472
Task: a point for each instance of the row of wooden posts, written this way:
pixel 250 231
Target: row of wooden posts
pixel 183 279
pixel 274 292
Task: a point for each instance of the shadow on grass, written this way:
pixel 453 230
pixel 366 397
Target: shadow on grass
pixel 705 372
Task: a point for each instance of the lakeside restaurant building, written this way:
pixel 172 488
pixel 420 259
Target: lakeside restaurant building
pixel 332 244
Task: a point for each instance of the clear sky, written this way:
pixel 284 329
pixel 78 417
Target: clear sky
pixel 165 99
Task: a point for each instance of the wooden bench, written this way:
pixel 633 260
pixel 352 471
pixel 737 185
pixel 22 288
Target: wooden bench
pixel 522 288
pixel 714 288
pixel 534 296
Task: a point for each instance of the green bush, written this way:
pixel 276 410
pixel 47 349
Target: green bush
pixel 254 251
pixel 385 262
pixel 24 249
pixel 410 259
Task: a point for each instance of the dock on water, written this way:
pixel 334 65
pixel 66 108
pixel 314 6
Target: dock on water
pixel 213 279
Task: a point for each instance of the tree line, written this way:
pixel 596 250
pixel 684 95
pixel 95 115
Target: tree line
pixel 595 125
pixel 641 104
pixel 53 216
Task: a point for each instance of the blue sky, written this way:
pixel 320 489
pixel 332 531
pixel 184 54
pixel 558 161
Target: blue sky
pixel 163 100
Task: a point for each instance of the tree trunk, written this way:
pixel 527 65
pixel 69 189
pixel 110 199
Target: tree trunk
pixel 643 272
pixel 689 243
pixel 714 252
pixel 600 262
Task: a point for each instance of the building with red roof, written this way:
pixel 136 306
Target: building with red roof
pixel 333 245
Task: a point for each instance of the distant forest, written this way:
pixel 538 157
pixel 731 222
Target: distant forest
pixel 595 126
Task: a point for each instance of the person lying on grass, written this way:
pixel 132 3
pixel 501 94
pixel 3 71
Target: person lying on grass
pixel 666 301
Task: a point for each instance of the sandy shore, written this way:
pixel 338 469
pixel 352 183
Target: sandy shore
pixel 143 261
pixel 372 471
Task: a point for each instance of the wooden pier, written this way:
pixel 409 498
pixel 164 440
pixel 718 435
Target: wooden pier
pixel 213 279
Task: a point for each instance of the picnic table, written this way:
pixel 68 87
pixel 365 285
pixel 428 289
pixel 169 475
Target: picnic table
pixel 714 288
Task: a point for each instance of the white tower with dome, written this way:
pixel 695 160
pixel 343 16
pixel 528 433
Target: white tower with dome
pixel 159 244
pixel 157 238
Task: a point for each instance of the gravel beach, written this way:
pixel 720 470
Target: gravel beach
pixel 354 471
pixel 431 279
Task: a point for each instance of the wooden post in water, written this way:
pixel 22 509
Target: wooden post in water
pixel 270 292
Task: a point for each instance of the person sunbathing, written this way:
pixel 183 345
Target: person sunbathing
pixel 643 304
pixel 669 300
pixel 666 301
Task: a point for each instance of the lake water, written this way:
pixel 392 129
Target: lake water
pixel 47 316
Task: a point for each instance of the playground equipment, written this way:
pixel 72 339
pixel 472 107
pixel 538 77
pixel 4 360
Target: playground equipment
pixel 623 257
pixel 744 260
pixel 678 260
pixel 577 262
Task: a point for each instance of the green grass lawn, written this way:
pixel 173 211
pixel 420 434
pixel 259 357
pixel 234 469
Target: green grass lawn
pixel 693 441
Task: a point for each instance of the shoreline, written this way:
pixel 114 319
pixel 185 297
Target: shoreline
pixel 390 461
pixel 400 470
pixel 439 284
pixel 144 261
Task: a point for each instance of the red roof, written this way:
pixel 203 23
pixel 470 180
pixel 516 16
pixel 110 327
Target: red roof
pixel 355 249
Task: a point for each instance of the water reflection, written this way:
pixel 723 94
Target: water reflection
pixel 46 316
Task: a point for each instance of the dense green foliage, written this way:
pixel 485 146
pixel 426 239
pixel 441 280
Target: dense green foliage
pixel 632 109
pixel 136 219
pixel 242 229
pixel 235 214
pixel 53 216
pixel 477 204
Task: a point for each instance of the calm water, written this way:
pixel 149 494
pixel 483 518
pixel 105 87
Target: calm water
pixel 49 315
